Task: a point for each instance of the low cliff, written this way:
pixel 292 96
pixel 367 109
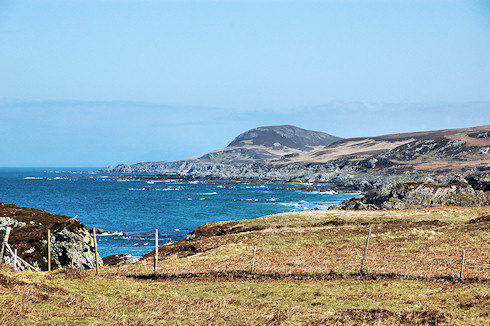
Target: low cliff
pixel 473 190
pixel 71 242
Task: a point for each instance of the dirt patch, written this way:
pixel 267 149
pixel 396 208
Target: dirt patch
pixel 478 300
pixel 9 282
pixel 72 272
pixel 481 219
pixel 246 275
pixel 361 316
pixel 375 316
pixel 427 317
pixel 433 222
pixel 335 222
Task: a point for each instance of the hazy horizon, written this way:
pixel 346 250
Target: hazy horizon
pixel 90 82
pixel 99 134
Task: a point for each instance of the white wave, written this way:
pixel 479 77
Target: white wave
pixel 105 234
pixel 33 178
pixel 328 192
pixel 207 193
pixel 296 205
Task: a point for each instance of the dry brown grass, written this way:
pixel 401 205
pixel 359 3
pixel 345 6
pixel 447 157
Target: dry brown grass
pixel 413 263
pixel 425 242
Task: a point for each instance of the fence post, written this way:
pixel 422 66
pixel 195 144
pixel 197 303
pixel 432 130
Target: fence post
pixel 5 241
pixel 96 254
pixel 462 266
pixel 253 261
pixel 73 248
pixel 49 250
pixel 156 253
pixel 365 250
pixel 15 259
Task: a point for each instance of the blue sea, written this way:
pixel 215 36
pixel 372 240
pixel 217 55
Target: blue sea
pixel 138 207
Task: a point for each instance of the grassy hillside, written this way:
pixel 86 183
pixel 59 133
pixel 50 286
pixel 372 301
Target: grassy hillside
pixel 306 272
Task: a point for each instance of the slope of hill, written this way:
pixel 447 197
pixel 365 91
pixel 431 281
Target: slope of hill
pixel 255 145
pixel 269 143
pixel 465 144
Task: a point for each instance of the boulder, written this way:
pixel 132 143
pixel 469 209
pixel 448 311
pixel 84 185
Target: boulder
pixel 119 259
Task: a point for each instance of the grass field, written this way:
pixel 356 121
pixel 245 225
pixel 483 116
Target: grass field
pixel 306 273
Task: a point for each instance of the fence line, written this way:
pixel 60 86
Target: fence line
pixel 20 264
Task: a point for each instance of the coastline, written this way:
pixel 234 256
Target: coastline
pixel 97 203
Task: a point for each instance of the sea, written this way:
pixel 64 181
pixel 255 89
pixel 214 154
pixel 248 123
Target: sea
pixel 131 209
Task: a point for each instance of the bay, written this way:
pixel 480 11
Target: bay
pixel 138 207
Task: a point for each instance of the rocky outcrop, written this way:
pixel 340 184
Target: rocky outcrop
pixel 119 259
pixel 340 175
pixel 71 242
pixel 459 192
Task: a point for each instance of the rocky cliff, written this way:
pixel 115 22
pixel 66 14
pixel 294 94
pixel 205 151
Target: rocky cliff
pixel 472 190
pixel 71 242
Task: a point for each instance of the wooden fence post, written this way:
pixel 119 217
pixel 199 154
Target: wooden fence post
pixel 73 247
pixel 96 254
pixel 4 243
pixel 15 259
pixel 253 261
pixel 49 250
pixel 462 266
pixel 155 266
pixel 365 250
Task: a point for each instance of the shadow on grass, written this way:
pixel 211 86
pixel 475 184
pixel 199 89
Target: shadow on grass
pixel 246 275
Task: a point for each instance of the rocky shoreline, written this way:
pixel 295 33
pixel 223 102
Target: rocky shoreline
pixel 408 195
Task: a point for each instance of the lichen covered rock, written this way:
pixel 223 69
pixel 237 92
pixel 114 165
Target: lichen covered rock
pixel 71 242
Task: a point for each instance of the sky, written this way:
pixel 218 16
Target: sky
pixel 94 83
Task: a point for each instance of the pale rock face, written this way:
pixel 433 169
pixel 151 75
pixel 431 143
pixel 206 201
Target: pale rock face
pixel 68 248
pixel 73 249
pixel 8 221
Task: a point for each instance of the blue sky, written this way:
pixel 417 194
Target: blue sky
pixel 78 72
